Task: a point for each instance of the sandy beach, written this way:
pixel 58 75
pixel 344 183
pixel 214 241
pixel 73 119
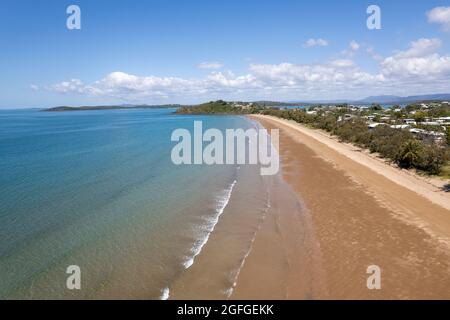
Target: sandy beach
pixel 356 211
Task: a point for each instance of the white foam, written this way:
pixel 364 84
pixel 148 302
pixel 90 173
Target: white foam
pixel 165 294
pixel 236 272
pixel 221 205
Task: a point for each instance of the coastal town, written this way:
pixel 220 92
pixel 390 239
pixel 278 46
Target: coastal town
pixel 413 136
pixel 424 120
pixel 431 119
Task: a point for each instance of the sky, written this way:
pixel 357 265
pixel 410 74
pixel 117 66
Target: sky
pixel 173 51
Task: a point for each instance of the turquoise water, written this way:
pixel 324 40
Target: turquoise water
pixel 98 189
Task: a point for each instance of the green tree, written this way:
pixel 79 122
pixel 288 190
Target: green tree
pixel 411 107
pixel 410 154
pixel 420 116
pixel 376 107
pixel 433 159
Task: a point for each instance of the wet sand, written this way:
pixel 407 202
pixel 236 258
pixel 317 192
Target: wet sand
pixel 353 215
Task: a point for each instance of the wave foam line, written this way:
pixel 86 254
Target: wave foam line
pixel 221 205
pixel 165 294
pixel 237 272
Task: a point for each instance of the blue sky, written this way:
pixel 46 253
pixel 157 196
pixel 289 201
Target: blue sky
pixel 192 51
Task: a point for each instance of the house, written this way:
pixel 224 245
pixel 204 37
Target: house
pixel 345 117
pixel 416 131
pixel 409 121
pixel 400 126
pixel 376 124
pixel 432 123
pixel 444 120
pixel 437 136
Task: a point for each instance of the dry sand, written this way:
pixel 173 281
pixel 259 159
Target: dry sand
pixel 357 211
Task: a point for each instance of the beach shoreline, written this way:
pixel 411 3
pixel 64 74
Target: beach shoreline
pixel 362 212
pixel 426 186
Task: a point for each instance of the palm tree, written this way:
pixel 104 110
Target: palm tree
pixel 410 153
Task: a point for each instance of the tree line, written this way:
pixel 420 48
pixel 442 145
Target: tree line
pixel 395 145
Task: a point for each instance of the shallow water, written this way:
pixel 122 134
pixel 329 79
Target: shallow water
pixel 98 189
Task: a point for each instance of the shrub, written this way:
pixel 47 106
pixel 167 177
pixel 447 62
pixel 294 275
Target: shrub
pixel 433 159
pixel 327 123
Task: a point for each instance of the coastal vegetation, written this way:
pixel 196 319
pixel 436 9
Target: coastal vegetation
pixel 398 145
pixel 219 107
pixel 408 136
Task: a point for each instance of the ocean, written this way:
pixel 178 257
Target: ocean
pixel 98 189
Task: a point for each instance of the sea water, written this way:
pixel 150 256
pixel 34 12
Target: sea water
pixel 98 189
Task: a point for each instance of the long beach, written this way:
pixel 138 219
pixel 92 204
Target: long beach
pixel 361 212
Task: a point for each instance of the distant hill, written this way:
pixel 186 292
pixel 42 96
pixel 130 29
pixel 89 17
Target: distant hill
pixel 386 99
pixel 382 99
pixel 212 107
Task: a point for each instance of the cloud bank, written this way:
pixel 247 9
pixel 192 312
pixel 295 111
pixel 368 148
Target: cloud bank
pixel 418 67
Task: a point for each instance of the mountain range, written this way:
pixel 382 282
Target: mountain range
pixel 384 99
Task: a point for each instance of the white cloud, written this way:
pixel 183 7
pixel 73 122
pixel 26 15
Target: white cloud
pixel 34 87
pixel 316 43
pixel 375 56
pixel 420 48
pixel 350 52
pixel 440 15
pixel 73 85
pixel 425 67
pixel 342 63
pixel 354 45
pixel 131 87
pixel 332 75
pixel 210 65
pixel 123 85
pixel 420 60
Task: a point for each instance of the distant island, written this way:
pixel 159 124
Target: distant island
pixel 86 108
